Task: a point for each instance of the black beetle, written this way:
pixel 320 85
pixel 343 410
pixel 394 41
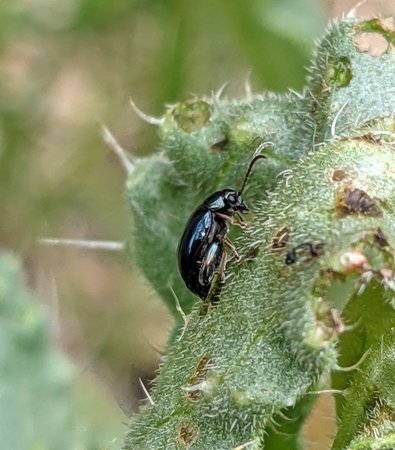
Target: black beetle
pixel 201 249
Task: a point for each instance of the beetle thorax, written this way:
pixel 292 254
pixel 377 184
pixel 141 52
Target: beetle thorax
pixel 227 201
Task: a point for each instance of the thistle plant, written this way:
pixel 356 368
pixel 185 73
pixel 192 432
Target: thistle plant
pixel 310 306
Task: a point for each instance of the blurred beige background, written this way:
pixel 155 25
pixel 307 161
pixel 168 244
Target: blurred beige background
pixel 66 66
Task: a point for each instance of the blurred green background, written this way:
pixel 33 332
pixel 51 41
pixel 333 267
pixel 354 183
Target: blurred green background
pixel 64 67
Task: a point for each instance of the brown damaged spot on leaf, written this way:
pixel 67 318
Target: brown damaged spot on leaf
pixel 339 175
pixel 373 43
pixel 280 239
pixel 356 201
pixel 371 138
pixel 197 377
pixel 186 435
pixel 252 253
pixel 378 412
pixel 220 145
pixel 380 238
pixel 333 321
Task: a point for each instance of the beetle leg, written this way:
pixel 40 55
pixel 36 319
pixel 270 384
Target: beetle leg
pixel 223 217
pixel 230 245
pixel 237 223
pixel 240 218
pixel 222 267
pixel 218 281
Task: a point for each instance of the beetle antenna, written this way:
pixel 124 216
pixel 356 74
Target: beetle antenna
pixel 257 155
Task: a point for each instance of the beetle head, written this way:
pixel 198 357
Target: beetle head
pixel 227 201
pixel 234 202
